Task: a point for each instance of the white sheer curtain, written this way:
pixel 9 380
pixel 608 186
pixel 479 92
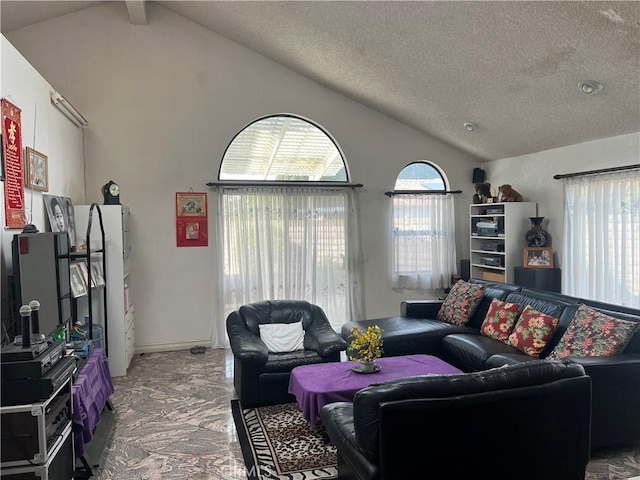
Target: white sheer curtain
pixel 290 243
pixel 601 251
pixel 424 241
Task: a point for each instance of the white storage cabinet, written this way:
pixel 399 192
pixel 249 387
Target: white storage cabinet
pixel 120 311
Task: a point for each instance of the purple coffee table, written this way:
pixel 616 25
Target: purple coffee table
pixel 319 384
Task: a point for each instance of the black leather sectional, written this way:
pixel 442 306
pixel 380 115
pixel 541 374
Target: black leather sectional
pixel 528 421
pixel 615 380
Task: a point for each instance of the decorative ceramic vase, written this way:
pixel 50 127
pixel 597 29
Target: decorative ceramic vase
pixel 367 366
pixel 537 236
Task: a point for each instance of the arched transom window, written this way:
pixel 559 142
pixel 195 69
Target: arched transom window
pixel 283 148
pixel 420 176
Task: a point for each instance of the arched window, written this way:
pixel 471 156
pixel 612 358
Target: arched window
pixel 288 226
pixel 420 176
pixel 424 255
pixel 283 148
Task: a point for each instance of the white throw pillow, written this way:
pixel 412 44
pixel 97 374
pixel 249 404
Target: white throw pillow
pixel 282 337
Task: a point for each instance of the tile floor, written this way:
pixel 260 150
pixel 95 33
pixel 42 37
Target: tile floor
pixel 172 421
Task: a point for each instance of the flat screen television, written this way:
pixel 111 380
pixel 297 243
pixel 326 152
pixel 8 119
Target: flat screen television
pixel 40 264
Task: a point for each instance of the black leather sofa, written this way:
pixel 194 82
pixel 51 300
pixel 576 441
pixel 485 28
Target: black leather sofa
pixel 526 421
pixel 615 379
pixel 262 377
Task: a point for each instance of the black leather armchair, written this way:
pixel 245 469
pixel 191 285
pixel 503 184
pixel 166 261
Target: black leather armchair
pixel 261 377
pixel 526 421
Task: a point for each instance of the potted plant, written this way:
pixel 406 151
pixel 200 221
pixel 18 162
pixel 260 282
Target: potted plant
pixel 365 347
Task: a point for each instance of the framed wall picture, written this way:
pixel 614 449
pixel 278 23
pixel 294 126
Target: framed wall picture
pixel 191 204
pixel 538 257
pixel 67 210
pixel 37 170
pixel 55 212
pixel 192 224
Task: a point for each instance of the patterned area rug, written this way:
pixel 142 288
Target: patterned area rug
pixel 278 443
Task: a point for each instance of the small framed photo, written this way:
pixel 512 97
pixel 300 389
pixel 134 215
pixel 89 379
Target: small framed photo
pixel 191 204
pixel 96 274
pixel 37 170
pixel 193 231
pixel 84 271
pixel 78 285
pixel 538 257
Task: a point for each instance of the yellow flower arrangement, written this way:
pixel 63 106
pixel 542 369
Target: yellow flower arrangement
pixel 367 345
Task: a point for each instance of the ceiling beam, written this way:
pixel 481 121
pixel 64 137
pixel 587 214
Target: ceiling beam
pixel 137 13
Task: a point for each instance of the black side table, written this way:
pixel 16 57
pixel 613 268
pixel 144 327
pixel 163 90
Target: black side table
pixel 549 279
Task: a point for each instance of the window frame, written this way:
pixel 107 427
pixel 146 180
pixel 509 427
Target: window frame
pixel 415 278
pixel 438 170
pixel 280 183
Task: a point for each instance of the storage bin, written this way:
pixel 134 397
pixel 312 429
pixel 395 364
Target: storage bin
pixel 493 277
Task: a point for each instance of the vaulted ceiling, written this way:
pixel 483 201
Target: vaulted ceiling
pixel 513 68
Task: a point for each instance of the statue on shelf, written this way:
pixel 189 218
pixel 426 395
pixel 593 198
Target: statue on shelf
pixel 483 193
pixel 506 193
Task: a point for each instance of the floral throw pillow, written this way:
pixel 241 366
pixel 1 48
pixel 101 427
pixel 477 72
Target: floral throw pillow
pixel 594 334
pixel 533 331
pixel 461 303
pixel 500 320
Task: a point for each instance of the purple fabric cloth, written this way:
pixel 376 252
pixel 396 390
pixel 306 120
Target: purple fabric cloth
pixel 91 390
pixel 317 385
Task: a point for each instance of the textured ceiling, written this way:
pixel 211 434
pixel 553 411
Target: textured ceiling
pixel 511 67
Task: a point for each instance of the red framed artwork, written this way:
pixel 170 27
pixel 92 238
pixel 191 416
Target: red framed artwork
pixel 14 207
pixel 192 225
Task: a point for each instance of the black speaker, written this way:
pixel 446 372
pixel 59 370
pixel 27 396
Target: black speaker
pixel 465 271
pixel 478 175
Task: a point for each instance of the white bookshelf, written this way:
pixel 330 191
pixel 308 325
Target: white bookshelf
pixel 495 252
pixel 120 311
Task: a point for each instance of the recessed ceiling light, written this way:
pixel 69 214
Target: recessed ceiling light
pixel 590 87
pixel 470 126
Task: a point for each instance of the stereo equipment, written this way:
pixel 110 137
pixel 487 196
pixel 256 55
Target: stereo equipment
pixel 492 247
pixel 487 231
pixel 36 367
pixel 494 211
pixel 15 352
pixel 31 433
pixel 15 392
pixel 492 261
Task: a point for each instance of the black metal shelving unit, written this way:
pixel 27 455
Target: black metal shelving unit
pixel 87 255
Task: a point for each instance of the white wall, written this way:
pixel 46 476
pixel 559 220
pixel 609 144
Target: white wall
pixel 532 175
pixel 163 101
pixel 55 136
